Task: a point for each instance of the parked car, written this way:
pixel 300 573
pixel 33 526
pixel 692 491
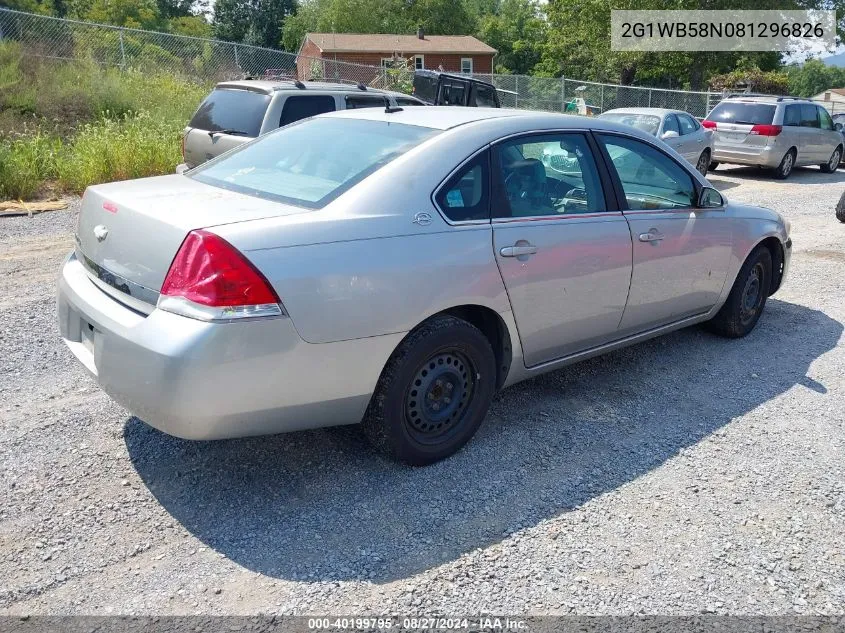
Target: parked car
pixel 775 132
pixel 839 126
pixel 238 111
pixel 440 88
pixel 840 208
pixel 679 130
pixel 397 268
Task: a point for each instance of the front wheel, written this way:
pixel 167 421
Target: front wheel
pixel 833 164
pixel 433 393
pixel 748 297
pixel 703 163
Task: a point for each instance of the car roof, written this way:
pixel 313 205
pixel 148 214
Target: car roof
pixel 770 99
pixel 661 112
pixel 448 117
pixel 269 86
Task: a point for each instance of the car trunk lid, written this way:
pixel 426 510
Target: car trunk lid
pixel 129 232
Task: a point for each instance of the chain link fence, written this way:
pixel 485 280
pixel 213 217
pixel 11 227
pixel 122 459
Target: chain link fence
pixel 208 60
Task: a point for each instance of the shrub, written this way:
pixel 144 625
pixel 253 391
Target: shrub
pixel 25 163
pixel 111 149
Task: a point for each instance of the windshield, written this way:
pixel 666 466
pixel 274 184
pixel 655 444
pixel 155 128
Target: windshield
pixel 742 113
pixel 312 162
pixel 645 122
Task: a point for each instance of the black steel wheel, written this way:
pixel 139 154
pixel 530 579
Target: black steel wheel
pixel 745 303
pixel 433 393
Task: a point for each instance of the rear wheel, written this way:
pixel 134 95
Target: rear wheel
pixel 703 163
pixel 433 393
pixel 748 297
pixel 833 164
pixel 786 164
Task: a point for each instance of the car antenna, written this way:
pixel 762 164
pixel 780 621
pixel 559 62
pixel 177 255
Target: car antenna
pixel 299 84
pixel 389 108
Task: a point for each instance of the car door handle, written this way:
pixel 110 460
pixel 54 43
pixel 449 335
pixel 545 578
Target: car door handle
pixel 651 236
pixel 518 251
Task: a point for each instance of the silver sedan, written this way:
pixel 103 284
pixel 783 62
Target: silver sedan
pixel 679 130
pixel 396 268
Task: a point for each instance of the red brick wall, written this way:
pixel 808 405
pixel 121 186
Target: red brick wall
pixel 482 64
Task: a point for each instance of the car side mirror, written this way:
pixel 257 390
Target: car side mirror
pixel 669 134
pixel 837 127
pixel 709 198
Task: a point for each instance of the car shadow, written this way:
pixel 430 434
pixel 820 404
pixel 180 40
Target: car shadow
pixel 721 185
pixel 321 505
pixel 806 175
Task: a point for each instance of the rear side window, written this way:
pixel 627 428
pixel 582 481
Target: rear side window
pixel 301 107
pixel 239 111
pixel 355 102
pixel 452 94
pixel 809 115
pixel 743 113
pixel 467 195
pixel 671 124
pixel 792 116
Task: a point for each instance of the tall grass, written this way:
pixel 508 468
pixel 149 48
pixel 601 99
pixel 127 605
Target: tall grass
pixel 74 124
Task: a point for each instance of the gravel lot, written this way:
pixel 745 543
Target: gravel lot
pixel 689 474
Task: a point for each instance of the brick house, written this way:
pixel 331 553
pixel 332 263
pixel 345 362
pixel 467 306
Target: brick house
pixel 453 53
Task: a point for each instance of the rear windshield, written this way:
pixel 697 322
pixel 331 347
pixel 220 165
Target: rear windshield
pixel 742 113
pixel 311 163
pixel 239 111
pixel 645 122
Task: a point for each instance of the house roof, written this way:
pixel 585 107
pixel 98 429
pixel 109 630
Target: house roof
pixel 403 44
pixel 836 91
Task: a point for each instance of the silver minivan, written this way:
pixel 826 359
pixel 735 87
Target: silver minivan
pixel 775 132
pixel 238 111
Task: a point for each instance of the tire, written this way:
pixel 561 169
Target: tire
pixel 786 164
pixel 414 416
pixel 714 164
pixel 833 164
pixel 703 164
pixel 739 315
pixel 840 208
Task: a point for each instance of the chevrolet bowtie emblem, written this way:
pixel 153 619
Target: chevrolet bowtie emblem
pixel 101 232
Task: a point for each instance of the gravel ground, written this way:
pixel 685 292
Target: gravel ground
pixel 685 475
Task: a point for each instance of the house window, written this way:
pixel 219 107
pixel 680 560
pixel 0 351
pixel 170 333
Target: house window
pixel 419 62
pixel 386 62
pixel 466 65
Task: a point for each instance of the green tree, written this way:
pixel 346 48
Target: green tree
pixel 442 17
pixel 136 14
pixel 814 77
pixel 193 25
pixel 258 22
pixel 518 32
pixel 43 7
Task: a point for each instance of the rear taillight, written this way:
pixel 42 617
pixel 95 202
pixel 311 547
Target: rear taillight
pixel 710 125
pixel 766 130
pixel 211 280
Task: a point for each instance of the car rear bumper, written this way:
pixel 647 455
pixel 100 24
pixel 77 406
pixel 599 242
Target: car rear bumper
pixel 200 380
pixel 763 156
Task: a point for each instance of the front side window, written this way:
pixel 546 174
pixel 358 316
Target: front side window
pixel 671 124
pixel 549 175
pixel 353 103
pixel 312 162
pixel 687 124
pixel 482 96
pixel 466 65
pixel 297 107
pixel 824 119
pixel 809 115
pixel 467 194
pixel 649 178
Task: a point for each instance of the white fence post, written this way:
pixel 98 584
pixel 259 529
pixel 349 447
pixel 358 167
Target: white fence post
pixel 122 50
